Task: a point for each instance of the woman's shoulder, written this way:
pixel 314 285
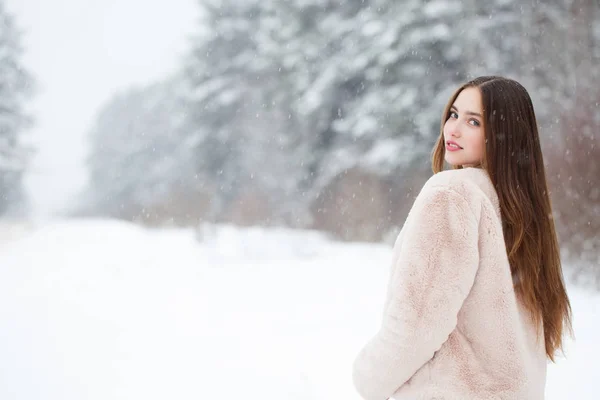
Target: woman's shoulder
pixel 467 181
pixel 473 185
pixel 452 196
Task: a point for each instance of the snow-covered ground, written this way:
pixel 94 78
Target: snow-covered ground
pixel 107 310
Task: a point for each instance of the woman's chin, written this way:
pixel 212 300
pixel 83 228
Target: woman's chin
pixel 452 161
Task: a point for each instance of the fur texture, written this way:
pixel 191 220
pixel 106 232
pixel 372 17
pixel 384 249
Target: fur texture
pixel 452 326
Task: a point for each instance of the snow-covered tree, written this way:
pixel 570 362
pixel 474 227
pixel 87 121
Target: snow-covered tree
pixel 240 119
pixel 138 154
pixel 15 90
pixel 389 75
pixel 576 152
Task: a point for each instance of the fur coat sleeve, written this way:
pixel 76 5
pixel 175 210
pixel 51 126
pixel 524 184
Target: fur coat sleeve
pixel 435 264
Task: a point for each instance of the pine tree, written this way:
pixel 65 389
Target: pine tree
pixel 240 118
pixel 15 90
pixel 137 156
pixel 382 83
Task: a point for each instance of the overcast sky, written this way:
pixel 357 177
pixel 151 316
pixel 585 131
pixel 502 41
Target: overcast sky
pixel 81 52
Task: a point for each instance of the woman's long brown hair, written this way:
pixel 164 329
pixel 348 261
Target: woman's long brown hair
pixel 514 162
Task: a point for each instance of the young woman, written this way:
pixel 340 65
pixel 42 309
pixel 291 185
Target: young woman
pixel 476 301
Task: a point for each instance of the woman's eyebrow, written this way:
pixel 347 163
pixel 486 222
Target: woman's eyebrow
pixel 467 112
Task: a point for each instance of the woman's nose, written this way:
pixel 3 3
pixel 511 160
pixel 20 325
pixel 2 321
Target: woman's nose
pixel 452 128
pixel 455 132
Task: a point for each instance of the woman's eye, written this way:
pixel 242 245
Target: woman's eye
pixel 474 122
pixel 453 114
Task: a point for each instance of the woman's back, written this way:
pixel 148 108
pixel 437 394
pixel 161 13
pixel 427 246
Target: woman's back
pixel 495 351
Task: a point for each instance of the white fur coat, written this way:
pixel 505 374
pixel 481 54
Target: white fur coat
pixel 452 326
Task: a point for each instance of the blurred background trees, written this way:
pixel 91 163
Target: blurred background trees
pixel 16 89
pixel 322 114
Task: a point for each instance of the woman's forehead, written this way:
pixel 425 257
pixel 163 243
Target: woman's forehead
pixel 468 101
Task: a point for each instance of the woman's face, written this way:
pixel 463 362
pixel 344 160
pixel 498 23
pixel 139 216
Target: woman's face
pixel 463 131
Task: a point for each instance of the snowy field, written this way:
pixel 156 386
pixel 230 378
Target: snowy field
pixel 107 310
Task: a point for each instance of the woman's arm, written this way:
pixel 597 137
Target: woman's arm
pixel 436 268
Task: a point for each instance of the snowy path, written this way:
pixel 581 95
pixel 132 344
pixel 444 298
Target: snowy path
pixel 105 310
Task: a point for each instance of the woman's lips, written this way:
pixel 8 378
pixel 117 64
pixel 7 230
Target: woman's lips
pixel 452 146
